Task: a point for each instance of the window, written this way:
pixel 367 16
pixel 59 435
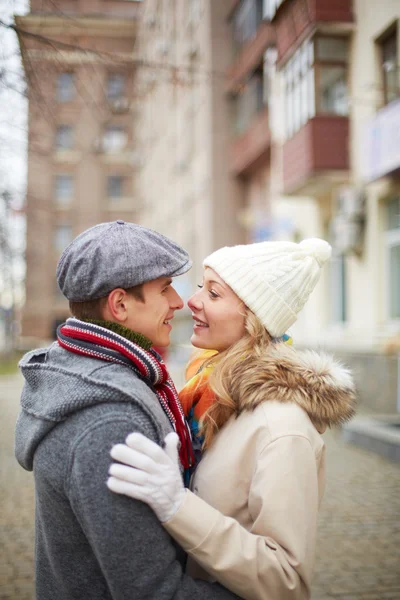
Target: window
pixel 393 258
pixel 114 138
pixel 245 21
pixel 65 87
pixel 338 288
pixel 115 186
pixel 194 12
pixel 62 237
pixel 315 81
pixel 249 101
pixel 390 67
pixel 64 137
pixel 64 189
pixel 115 86
pixel 271 7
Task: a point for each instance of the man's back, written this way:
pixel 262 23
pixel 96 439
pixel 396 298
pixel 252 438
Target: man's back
pixel 89 544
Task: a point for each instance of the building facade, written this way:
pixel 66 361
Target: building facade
pixel 77 56
pixel 337 74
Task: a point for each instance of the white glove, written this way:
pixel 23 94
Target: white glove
pixel 153 475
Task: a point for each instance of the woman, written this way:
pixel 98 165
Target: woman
pixel 250 518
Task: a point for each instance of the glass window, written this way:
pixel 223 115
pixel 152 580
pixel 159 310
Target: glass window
pixel 65 87
pixel 249 101
pixel 390 68
pixel 393 257
pixel 299 76
pixel 115 86
pixel 63 236
pixel 333 49
pixel 246 20
pixel 64 137
pixel 333 90
pixel 114 138
pixel 115 186
pixel 64 189
pixel 338 288
pixel 394 280
pixel 393 214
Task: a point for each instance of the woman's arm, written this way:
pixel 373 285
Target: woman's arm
pixel 272 561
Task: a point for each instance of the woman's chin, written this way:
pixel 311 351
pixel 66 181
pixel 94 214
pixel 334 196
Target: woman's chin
pixel 197 342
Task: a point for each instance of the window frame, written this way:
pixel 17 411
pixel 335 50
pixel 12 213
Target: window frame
pixel 60 248
pixel 391 34
pixel 123 194
pixel 64 201
pixel 302 80
pixel 112 98
pixel 57 145
pixel 107 133
pixel 58 96
pixel 391 240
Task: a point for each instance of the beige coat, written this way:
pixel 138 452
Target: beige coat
pixel 251 518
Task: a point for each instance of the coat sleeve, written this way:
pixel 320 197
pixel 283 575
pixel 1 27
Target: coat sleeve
pixel 275 558
pixel 135 556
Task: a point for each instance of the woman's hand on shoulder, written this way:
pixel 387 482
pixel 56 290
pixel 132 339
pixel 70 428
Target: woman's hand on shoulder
pixel 148 473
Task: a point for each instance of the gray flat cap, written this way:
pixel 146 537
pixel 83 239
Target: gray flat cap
pixel 117 254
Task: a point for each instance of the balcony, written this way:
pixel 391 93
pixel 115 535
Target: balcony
pixel 251 148
pixel 317 156
pixel 296 20
pixel 250 56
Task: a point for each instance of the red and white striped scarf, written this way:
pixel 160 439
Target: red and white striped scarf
pixel 95 341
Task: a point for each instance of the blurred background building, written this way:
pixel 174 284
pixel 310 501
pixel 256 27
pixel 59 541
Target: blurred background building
pixel 225 122
pixel 81 149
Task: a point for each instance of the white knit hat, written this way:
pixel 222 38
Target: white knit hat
pixel 274 279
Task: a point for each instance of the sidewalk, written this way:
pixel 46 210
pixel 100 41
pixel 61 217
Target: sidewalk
pixel 17 502
pixel 358 553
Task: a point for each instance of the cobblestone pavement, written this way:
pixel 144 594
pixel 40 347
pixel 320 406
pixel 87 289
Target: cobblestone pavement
pixel 359 531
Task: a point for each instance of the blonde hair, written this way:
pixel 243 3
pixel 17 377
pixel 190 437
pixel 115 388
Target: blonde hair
pixel 235 379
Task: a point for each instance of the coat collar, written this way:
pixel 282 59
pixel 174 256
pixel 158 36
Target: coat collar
pixel 313 380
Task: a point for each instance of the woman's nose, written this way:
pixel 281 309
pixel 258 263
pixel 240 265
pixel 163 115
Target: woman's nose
pixel 194 302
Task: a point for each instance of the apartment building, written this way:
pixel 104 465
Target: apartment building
pixel 337 74
pixel 82 155
pixel 184 128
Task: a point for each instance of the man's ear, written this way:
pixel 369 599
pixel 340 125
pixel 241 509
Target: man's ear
pixel 116 308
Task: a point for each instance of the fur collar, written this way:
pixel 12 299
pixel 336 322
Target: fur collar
pixel 313 380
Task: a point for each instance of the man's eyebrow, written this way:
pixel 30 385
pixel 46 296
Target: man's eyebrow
pixel 167 281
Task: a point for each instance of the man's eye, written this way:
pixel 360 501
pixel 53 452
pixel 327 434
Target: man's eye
pixel 200 285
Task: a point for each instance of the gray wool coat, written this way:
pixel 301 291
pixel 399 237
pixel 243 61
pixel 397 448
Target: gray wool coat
pixel 90 543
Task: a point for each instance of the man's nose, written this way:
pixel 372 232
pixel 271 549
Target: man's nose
pixel 176 301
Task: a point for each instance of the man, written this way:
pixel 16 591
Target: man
pixel 96 384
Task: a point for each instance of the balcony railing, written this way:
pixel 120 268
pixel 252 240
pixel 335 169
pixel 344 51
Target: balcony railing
pixel 317 154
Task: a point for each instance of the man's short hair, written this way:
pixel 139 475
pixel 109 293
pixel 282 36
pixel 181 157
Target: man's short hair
pixel 93 309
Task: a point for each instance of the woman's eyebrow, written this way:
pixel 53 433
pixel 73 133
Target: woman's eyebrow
pixel 216 283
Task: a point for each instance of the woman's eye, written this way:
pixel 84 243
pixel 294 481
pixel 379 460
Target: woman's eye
pixel 213 294
pixel 200 285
